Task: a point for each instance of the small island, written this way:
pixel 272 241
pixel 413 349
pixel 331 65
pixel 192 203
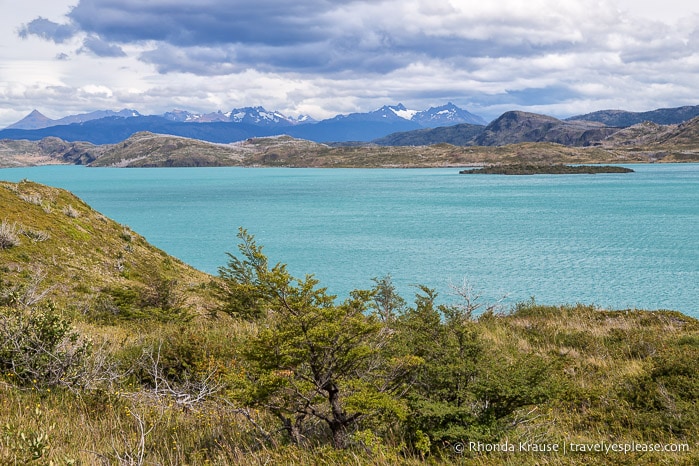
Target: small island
pixel 544 169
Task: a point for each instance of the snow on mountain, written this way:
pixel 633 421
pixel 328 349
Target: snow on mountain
pixel 446 115
pixel 399 116
pixel 405 113
pixel 181 116
pixel 184 116
pixel 258 116
pixel 302 119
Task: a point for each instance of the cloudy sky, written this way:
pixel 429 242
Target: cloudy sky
pixel 322 58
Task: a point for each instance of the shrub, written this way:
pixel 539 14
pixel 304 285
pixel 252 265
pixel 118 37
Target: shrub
pixel 71 212
pixel 8 235
pixel 39 348
pixel 159 300
pixel 36 236
pixel 31 198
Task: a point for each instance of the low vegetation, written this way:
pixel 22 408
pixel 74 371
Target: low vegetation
pixel 146 361
pixel 539 169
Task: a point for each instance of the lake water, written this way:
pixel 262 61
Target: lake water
pixel 614 240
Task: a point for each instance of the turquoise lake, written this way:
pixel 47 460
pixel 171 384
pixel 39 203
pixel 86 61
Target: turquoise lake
pixel 615 240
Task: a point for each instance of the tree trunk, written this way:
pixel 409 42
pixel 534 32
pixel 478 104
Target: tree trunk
pixel 293 429
pixel 338 424
pixel 339 435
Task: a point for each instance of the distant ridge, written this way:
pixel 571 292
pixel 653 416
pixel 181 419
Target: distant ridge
pixel 36 120
pixel 624 119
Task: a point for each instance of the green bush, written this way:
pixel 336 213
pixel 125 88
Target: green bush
pixel 38 347
pixel 158 300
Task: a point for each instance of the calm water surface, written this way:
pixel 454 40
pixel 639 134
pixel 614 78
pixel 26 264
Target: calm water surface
pixel 615 240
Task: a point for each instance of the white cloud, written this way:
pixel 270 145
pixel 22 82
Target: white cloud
pixel 322 58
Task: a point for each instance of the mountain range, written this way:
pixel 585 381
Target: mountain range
pixel 514 137
pixel 108 127
pixel 387 126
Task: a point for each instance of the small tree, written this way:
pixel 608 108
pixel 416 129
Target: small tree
pixel 386 301
pixel 311 359
pixel 468 389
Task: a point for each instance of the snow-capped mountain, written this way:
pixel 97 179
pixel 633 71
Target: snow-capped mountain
pixel 302 119
pixel 257 116
pixel 183 116
pixel 385 113
pixel 107 127
pixel 446 115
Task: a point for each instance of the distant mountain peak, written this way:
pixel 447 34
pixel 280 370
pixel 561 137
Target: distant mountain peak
pixel 403 112
pixel 446 115
pixel 36 113
pixel 258 116
pixel 35 120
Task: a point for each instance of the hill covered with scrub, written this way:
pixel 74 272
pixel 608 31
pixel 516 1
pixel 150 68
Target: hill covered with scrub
pixel 512 142
pixel 112 352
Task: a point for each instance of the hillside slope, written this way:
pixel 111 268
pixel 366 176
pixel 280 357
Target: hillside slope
pixel 52 242
pixel 48 151
pixel 683 135
pixel 515 127
pixel 152 150
pixel 458 135
pixel 623 118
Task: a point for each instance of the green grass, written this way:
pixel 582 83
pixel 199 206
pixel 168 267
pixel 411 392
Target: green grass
pixel 72 249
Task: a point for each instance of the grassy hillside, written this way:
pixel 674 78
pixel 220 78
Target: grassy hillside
pixel 112 352
pixel 62 246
